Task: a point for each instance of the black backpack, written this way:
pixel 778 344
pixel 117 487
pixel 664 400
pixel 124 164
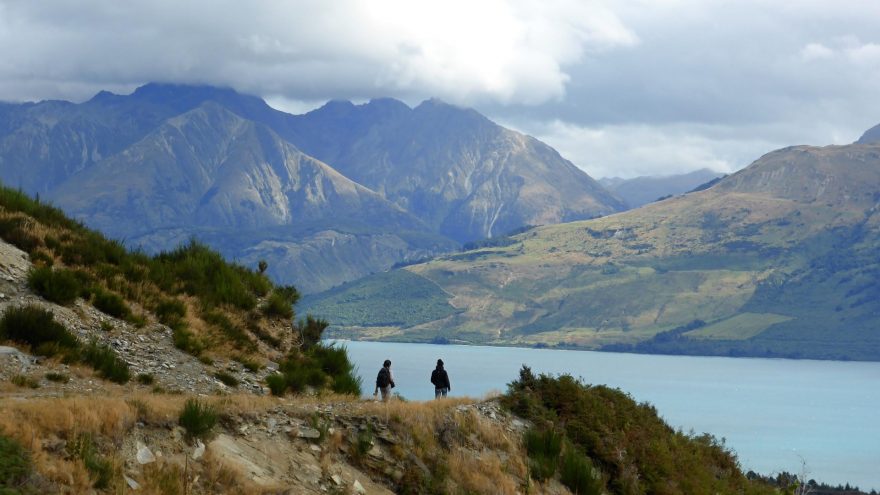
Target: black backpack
pixel 384 378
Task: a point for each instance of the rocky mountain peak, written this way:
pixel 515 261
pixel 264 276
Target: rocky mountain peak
pixel 872 135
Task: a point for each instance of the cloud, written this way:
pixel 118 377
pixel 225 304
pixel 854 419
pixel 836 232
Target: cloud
pixel 698 82
pixel 815 51
pixel 462 51
pixel 635 150
pixel 632 150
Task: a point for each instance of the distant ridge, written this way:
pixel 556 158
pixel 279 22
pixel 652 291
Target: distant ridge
pixel 640 191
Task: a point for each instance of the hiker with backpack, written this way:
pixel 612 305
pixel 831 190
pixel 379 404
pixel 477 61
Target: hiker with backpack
pixel 440 379
pixel 384 381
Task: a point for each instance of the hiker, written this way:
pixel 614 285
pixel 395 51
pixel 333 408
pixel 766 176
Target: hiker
pixel 440 379
pixel 384 381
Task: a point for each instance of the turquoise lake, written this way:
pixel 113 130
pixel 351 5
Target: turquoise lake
pixel 772 412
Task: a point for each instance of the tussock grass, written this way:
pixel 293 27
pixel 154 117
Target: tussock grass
pixel 106 362
pixel 487 473
pixel 198 418
pixel 15 465
pixel 226 378
pixel 454 445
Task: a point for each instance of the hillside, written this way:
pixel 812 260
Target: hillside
pixel 324 198
pixel 779 259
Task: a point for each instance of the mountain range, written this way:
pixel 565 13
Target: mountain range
pixel 779 259
pixel 639 191
pixel 324 198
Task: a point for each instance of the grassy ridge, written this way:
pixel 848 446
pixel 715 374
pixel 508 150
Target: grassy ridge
pixel 601 441
pixel 73 261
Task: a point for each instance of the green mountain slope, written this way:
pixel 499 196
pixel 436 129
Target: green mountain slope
pixel 779 259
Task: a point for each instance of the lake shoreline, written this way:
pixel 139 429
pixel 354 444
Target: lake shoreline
pixel 772 412
pixel 341 335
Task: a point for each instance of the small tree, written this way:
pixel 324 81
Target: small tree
pixel 262 265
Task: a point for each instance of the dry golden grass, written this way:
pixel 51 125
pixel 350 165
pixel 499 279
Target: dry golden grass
pixel 207 477
pixel 482 457
pixel 479 454
pixel 481 473
pixel 38 422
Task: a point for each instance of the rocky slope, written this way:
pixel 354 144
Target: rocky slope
pixel 452 167
pixel 237 184
pixel 776 260
pixel 148 350
pixel 392 184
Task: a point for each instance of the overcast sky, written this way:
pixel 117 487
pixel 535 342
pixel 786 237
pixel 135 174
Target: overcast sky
pixel 624 88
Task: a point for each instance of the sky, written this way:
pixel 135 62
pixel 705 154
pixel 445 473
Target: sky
pixel 621 88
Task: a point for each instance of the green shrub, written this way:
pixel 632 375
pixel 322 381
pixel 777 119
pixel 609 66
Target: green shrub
pixel 170 311
pixel 15 464
pixel 334 362
pixel 40 257
pixel 138 320
pixel 320 367
pixel 52 242
pixel 198 419
pixel 364 442
pixel 199 271
pixel 262 334
pixel 576 472
pixel 239 338
pixel 321 425
pixel 101 469
pixel 14 230
pixel 186 341
pixel 226 378
pixel 24 381
pixel 278 305
pixel 57 377
pixel 59 286
pixel 348 384
pixel 106 362
pixel 249 364
pixel 35 326
pixel 110 303
pixel 310 330
pixel 634 450
pixel 146 378
pixel 277 384
pixel 543 448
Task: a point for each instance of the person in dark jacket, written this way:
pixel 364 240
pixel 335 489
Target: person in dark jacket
pixel 440 379
pixel 384 381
